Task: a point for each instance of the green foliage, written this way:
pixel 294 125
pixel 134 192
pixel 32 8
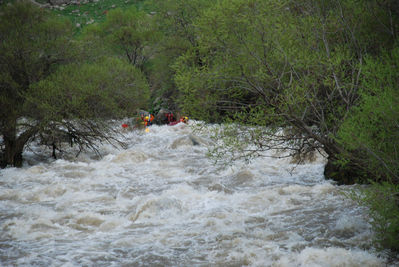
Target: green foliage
pixel 93 12
pixel 382 200
pixel 175 23
pixel 32 43
pixel 127 33
pixel 371 132
pixel 198 92
pixel 176 18
pixel 42 82
pixel 130 32
pixel 106 89
pixel 223 58
pixel 299 61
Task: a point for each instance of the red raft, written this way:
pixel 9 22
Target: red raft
pixel 173 123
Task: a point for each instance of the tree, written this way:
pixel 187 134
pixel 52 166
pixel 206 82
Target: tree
pixel 79 100
pixel 371 131
pixel 45 93
pixel 130 33
pixel 32 44
pixel 175 22
pixel 297 62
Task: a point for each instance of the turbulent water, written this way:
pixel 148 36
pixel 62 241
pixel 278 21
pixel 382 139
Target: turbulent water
pixel 162 202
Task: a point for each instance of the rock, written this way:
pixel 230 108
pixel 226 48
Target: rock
pixel 197 141
pixel 190 140
pixel 59 2
pixel 182 141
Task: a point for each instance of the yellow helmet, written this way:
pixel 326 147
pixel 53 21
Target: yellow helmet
pixel 146 117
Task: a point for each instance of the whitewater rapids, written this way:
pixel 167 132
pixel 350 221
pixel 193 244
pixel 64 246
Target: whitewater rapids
pixel 162 202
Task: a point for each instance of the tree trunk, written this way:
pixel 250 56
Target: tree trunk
pixel 349 174
pixel 14 146
pixel 12 154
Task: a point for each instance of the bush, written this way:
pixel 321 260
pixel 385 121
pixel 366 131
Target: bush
pixel 370 137
pixel 371 133
pixel 382 199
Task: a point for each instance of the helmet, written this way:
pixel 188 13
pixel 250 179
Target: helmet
pixel 146 117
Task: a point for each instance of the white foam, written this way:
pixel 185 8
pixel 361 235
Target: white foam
pixel 162 200
pixel 334 257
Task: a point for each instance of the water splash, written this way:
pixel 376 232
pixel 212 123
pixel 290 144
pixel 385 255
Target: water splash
pixel 162 202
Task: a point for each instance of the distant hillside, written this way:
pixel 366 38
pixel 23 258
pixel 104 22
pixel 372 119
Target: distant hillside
pixel 84 12
pixel 87 12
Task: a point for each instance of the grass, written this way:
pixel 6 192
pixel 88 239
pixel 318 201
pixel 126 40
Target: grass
pixel 92 12
pixel 88 11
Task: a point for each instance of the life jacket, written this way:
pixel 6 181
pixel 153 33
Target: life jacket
pixel 148 120
pixel 184 119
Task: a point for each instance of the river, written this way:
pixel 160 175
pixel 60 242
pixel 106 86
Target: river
pixel 162 202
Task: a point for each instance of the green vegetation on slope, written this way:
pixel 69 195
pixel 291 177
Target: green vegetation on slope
pixel 51 87
pixel 94 11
